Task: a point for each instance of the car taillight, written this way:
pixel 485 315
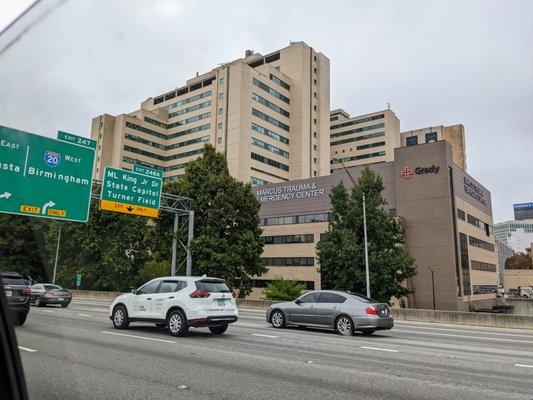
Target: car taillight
pixel 371 311
pixel 199 294
pixel 26 292
pixel 49 293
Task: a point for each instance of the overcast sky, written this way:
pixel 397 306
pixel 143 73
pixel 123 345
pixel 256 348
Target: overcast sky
pixel 445 62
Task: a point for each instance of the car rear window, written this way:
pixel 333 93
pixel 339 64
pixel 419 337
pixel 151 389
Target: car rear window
pixel 51 287
pixel 362 298
pixel 13 281
pixel 212 286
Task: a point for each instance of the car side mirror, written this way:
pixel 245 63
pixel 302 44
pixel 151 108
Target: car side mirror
pixel 297 301
pixel 135 291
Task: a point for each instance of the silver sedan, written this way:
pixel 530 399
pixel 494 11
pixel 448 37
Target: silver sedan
pixel 343 311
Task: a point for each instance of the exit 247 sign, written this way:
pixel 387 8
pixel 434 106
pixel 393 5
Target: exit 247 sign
pixel 130 192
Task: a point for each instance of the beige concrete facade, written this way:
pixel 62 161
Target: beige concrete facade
pixel 363 139
pixel 453 134
pixel 268 114
pixel 516 278
pixel 446 213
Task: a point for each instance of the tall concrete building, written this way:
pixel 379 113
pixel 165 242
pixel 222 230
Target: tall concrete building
pixel 269 114
pixel 453 134
pixel 523 211
pixel 363 139
pixel 518 235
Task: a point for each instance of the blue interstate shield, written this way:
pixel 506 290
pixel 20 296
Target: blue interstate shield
pixel 52 159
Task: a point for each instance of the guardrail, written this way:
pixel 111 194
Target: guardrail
pixel 403 314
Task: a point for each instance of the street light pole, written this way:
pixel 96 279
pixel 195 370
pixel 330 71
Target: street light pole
pixel 432 285
pixel 367 271
pixel 57 254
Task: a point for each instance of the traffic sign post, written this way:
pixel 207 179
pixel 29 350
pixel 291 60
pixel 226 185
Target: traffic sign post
pixel 78 281
pixel 44 177
pixel 130 192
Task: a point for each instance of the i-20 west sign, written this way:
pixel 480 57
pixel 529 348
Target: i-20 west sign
pixel 44 177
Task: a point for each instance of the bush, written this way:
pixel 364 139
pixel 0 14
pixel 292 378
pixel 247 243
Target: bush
pixel 283 289
pixel 153 269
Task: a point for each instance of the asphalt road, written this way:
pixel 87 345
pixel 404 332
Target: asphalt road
pixel 75 353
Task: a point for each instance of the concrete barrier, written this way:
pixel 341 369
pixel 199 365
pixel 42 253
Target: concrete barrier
pixel 520 306
pixel 93 294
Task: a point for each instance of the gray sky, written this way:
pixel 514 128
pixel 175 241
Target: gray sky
pixel 436 62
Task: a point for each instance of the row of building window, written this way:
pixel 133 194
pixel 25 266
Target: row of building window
pixel 146 164
pixel 285 239
pixel 370 145
pixel 265 60
pixel 295 219
pixel 335 118
pixel 169 147
pixel 270 162
pixel 483 266
pixel 263 283
pixel 269 119
pixel 188 100
pixel 484 289
pixel 288 261
pixel 284 85
pixel 271 91
pixel 479 224
pixel 357 130
pixel 358 121
pixel 190 120
pixel 170 135
pixel 160 157
pixel 269 147
pixel 184 90
pixel 258 181
pixel 281 178
pixel 413 140
pixel 269 133
pixel 195 107
pixel 480 243
pixel 270 105
pixel 358 138
pixel 361 157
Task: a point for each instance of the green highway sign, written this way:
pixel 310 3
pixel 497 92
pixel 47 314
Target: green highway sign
pixel 130 192
pixel 80 140
pixel 44 177
pixel 141 169
pixel 78 280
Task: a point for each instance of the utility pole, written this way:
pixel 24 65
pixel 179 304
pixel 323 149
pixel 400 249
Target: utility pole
pixel 57 255
pixel 367 270
pixel 432 285
pixel 190 237
pixel 174 245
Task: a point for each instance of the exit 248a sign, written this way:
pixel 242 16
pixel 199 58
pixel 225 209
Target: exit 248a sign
pixel 130 192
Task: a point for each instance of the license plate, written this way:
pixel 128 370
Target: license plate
pixel 61 299
pixel 221 303
pixel 9 293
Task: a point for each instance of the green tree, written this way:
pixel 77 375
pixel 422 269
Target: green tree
pixel 153 269
pixel 519 261
pixel 108 251
pixel 22 246
pixel 341 250
pixel 227 238
pixel 283 289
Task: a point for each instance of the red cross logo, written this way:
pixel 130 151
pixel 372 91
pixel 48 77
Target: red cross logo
pixel 406 172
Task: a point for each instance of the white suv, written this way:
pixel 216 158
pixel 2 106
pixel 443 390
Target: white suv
pixel 177 302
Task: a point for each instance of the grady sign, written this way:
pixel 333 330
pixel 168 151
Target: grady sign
pixel 289 192
pixel 406 172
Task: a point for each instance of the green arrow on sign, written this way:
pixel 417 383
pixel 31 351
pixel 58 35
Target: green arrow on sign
pixel 44 177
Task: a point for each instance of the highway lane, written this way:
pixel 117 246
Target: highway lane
pixel 75 353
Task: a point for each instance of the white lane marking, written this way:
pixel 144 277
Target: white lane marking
pixel 250 317
pixel 465 331
pixel 523 365
pixel 27 349
pixel 379 349
pixel 138 337
pixel 84 315
pixel 465 336
pixel 52 311
pixel 259 334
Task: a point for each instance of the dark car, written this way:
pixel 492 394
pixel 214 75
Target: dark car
pixel 47 293
pixel 18 296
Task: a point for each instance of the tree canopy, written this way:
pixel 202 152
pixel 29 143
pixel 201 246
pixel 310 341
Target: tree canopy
pixel 341 249
pixel 519 261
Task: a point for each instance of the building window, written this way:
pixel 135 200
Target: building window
pixel 485 289
pixel 269 133
pixel 221 96
pixel 431 137
pixel 335 118
pixel 268 118
pixel 271 91
pixel 314 173
pixel 314 81
pixel 270 162
pixel 461 214
pixel 289 239
pixel 357 130
pixel 362 156
pixel 465 267
pixel 314 108
pixel 314 160
pixel 219 140
pixel 411 140
pixel 483 266
pixel 314 94
pixel 257 181
pixel 359 121
pixel 220 111
pixel 370 145
pixel 269 147
pixel 270 105
pixel 288 261
pixel 314 134
pixel 479 224
pixel 221 81
pixel 188 100
pixel 480 243
pixel 275 79
pixel 314 70
pixel 295 219
pixel 190 109
pixel 314 147
pixel 219 126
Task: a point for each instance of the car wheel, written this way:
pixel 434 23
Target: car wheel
pixel 277 319
pixel 218 330
pixel 120 318
pixel 177 324
pixel 368 332
pixel 64 305
pixel 344 325
pixel 38 302
pixel 20 319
